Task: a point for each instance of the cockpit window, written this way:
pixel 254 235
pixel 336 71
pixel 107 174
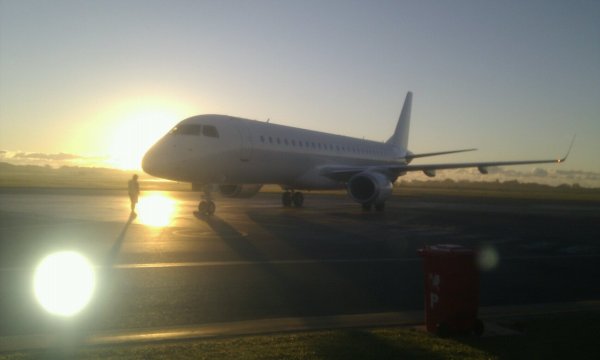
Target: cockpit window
pixel 186 129
pixel 210 131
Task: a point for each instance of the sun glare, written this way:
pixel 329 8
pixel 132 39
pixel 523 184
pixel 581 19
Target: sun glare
pixel 155 210
pixel 136 130
pixel 64 283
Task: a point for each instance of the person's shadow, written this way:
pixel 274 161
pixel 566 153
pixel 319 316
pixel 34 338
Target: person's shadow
pixel 101 303
pixel 111 257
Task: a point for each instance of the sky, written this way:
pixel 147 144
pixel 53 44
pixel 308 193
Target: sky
pixel 97 82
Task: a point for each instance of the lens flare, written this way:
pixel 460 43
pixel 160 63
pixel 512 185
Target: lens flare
pixel 64 283
pixel 155 210
pixel 487 258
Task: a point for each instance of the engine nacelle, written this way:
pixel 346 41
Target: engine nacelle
pixel 429 172
pixel 239 190
pixel 369 188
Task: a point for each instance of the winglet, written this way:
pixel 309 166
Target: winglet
pixel 568 151
pixel 400 137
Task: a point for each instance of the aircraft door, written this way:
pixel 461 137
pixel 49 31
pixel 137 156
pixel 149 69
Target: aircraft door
pixel 246 142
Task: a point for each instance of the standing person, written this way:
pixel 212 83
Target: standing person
pixel 134 191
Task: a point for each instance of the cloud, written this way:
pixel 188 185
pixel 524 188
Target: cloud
pixel 42 156
pixel 52 159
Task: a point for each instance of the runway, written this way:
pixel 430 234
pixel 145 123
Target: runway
pixel 256 260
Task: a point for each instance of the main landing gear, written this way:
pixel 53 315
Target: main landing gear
pixel 207 207
pixel 292 198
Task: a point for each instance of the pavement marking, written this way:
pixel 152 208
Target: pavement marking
pixel 192 264
pixel 251 263
pixel 192 233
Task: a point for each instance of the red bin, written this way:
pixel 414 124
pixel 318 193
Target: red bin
pixel 451 290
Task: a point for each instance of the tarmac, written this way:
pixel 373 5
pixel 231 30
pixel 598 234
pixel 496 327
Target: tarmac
pixel 256 267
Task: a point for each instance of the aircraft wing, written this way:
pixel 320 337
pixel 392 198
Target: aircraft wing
pixel 411 156
pixel 429 169
pixel 343 174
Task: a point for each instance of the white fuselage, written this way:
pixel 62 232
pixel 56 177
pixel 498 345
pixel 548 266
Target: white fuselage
pixel 240 155
pixel 218 149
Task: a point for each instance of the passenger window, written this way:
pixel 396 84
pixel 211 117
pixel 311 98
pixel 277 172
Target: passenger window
pixel 278 141
pixel 262 139
pixel 210 131
pixel 293 142
pixel 270 140
pixel 286 142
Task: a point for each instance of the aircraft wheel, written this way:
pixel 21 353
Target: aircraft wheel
pixel 380 207
pixel 211 208
pixel 286 199
pixel 298 199
pixel 202 207
pixel 366 207
pixel 206 208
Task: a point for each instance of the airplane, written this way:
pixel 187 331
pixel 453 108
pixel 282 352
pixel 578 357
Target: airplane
pixel 237 156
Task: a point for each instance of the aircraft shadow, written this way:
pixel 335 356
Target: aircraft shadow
pixel 233 238
pixel 354 276
pixel 282 283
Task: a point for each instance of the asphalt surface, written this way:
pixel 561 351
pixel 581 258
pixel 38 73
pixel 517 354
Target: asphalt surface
pixel 256 260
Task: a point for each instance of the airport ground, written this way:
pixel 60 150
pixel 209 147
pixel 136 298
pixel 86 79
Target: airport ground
pixel 257 260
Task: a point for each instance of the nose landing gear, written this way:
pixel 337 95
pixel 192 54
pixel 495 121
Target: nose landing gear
pixel 206 207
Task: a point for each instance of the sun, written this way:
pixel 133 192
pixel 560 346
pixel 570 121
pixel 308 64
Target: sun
pixel 136 124
pixel 119 133
pixel 136 130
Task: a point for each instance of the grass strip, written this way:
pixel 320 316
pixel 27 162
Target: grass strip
pixel 561 336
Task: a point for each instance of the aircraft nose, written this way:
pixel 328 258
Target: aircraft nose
pixel 150 162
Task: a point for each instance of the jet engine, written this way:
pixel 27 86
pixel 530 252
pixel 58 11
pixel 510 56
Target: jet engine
pixel 239 190
pixel 370 188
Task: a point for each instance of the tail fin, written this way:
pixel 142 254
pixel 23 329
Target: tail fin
pixel 400 137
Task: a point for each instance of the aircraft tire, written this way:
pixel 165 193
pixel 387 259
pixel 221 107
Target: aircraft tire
pixel 202 207
pixel 211 208
pixel 298 199
pixel 380 207
pixel 206 208
pixel 366 207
